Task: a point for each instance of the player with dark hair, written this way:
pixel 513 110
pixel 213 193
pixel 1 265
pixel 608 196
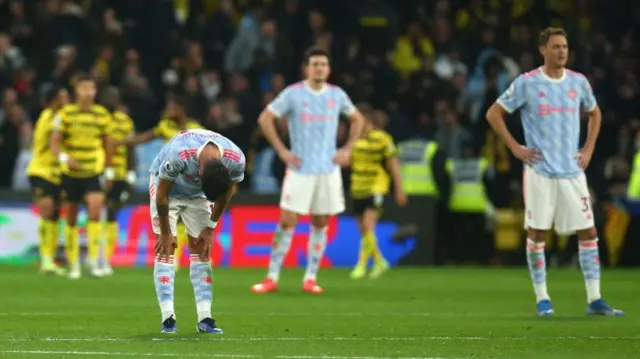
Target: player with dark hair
pixel 80 141
pixel 193 178
pixel 44 175
pixel 175 119
pixel 551 99
pixel 120 175
pixel 313 182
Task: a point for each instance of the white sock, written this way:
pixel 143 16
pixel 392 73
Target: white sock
pixel 201 279
pixel 315 251
pixel 590 266
pixel 164 279
pixel 537 268
pixel 281 243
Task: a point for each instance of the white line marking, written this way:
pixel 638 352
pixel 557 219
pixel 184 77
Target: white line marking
pixel 257 339
pixel 208 355
pixel 286 314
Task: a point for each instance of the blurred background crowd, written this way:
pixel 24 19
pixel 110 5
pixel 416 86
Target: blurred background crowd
pixel 432 68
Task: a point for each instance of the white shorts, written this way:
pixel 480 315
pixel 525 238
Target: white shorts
pixel 195 212
pixel 561 203
pixel 316 194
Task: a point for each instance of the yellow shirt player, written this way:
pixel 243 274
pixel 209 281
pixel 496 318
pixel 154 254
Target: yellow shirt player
pixel 175 120
pixel 120 175
pixel 373 157
pixel 79 140
pixel 44 175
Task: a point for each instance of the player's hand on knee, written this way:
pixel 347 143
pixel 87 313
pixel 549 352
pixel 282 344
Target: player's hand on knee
pixel 166 244
pixel 206 239
pixel 527 155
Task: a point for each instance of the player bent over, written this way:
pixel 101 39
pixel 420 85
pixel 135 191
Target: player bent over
pixel 193 169
pixel 550 100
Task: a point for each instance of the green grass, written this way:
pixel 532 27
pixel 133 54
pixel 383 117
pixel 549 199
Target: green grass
pixel 409 313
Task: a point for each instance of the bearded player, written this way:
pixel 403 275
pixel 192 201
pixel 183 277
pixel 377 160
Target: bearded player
pixel 551 99
pixel 313 183
pixel 193 177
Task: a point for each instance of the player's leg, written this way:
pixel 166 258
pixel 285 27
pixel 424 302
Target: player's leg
pixel 47 228
pixel 111 230
pixel 295 200
pixel 575 214
pixel 360 269
pixel 74 194
pixel 371 216
pixel 95 201
pixel 163 269
pixel 196 217
pixel 182 242
pixel 328 200
pixel 540 195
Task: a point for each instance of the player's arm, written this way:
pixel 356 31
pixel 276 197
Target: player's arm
pixel 511 100
pixel 55 141
pixel 222 203
pixel 393 165
pixel 143 137
pixel 355 117
pixel 162 204
pixel 594 115
pixel 278 108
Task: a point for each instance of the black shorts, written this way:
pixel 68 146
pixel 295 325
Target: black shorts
pixel 362 204
pixel 41 188
pixel 119 192
pixel 77 188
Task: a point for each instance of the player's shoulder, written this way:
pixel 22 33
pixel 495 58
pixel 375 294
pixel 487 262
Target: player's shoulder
pixel 100 110
pixel 381 135
pixel 193 124
pixel 69 108
pixel 336 89
pixel 577 76
pixel 45 114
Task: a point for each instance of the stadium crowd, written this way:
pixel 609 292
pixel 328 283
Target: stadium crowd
pixel 432 67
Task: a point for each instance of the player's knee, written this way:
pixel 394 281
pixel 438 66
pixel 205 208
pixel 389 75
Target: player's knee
pixel 55 216
pixel 288 220
pixel 112 211
pixel 47 208
pixel 537 235
pixel 319 221
pixel 369 220
pixel 71 210
pixel 587 234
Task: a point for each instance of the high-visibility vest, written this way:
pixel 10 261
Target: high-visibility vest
pixel 467 189
pixel 633 188
pixel 416 157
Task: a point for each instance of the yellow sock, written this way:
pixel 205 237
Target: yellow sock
pixel 365 251
pixel 111 236
pixel 182 240
pixel 72 245
pixel 45 257
pixel 93 240
pixel 51 234
pixel 371 238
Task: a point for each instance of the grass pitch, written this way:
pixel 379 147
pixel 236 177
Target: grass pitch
pixel 408 313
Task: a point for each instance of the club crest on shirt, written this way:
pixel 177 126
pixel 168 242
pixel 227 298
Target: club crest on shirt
pixel 331 104
pixel 168 166
pixel 572 94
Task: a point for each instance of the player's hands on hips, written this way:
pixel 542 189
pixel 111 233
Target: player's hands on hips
pixel 342 157
pixel 584 156
pixel 166 244
pixel 206 237
pixel 289 158
pixel 527 155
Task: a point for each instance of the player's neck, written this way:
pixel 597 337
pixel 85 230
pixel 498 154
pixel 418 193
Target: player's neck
pixel 85 105
pixel 555 73
pixel 315 85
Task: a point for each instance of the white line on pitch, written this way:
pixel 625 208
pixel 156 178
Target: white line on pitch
pixel 208 355
pixel 282 314
pixel 251 339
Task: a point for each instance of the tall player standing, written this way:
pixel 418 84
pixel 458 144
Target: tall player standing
pixel 193 169
pixel 313 183
pixel 550 100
